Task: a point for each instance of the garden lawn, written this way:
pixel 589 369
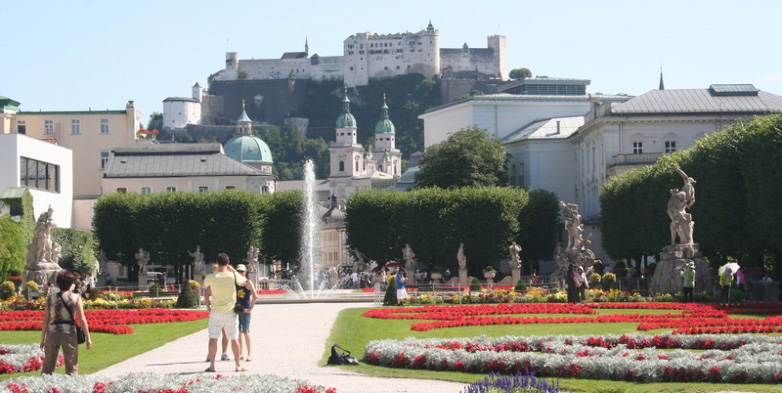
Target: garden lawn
pixel 353 332
pixel 109 349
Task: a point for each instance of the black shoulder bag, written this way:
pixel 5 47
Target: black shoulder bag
pixel 238 308
pixel 81 338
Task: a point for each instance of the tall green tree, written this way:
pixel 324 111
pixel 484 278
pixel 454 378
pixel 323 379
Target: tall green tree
pixel 78 249
pixel 468 158
pixel 12 247
pixel 281 234
pixel 374 224
pixel 539 226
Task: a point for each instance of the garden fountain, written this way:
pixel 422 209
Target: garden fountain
pixel 310 231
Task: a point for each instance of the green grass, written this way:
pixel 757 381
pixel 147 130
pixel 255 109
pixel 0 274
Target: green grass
pixel 109 349
pixel 353 332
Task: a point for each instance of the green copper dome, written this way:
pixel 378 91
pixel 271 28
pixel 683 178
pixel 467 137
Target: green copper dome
pixel 346 119
pixel 384 126
pixel 248 148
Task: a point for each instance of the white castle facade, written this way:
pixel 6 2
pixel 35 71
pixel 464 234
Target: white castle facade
pixel 366 56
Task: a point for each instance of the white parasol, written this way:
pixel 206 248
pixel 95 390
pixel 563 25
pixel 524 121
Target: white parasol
pixel 734 267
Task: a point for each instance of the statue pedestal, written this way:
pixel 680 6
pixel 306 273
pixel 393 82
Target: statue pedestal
pixel 667 277
pixel 516 274
pixel 463 277
pixel 43 276
pixel 584 258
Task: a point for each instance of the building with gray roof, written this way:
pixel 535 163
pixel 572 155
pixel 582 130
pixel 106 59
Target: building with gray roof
pixel 198 167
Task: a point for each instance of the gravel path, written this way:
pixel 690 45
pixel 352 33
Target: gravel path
pixel 288 340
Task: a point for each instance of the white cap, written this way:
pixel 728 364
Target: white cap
pixel 241 268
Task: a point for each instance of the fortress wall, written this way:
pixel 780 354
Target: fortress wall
pixel 482 60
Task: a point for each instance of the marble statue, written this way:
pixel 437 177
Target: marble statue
pixel 461 258
pixel 573 226
pixel 409 256
pixel 43 255
pixel 198 259
pixel 142 258
pixel 515 260
pixel 40 250
pixel 251 259
pixel 56 253
pixel 682 199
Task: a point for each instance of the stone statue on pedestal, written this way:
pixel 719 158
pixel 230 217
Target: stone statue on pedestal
pixel 461 258
pixel 43 255
pixel 666 278
pixel 576 253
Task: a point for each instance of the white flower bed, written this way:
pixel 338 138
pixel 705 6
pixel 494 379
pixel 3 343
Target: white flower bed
pixel 754 358
pixel 22 358
pixel 146 382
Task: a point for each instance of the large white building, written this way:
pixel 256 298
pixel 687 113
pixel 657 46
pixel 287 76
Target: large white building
pixel 572 143
pixel 367 55
pixel 617 137
pixel 44 169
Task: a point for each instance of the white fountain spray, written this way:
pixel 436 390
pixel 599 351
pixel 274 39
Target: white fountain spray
pixel 310 233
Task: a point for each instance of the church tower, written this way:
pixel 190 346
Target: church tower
pixel 346 153
pixel 389 158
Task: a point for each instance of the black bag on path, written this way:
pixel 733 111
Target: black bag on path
pixel 337 358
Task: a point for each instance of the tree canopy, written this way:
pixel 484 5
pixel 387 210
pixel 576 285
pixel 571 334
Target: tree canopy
pixel 435 221
pixel 520 73
pixel 168 225
pixel 468 158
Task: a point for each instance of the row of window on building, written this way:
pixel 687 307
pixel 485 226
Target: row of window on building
pixel 49 127
pixel 201 189
pixel 669 147
pixel 39 175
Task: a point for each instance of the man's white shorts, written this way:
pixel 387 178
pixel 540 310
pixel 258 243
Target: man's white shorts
pixel 219 321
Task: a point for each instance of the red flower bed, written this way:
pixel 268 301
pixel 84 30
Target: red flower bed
pixel 105 321
pixel 693 319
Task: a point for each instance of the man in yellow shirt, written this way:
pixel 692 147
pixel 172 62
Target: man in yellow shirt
pixel 220 297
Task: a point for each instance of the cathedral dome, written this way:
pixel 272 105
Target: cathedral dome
pixel 385 126
pixel 346 119
pixel 246 148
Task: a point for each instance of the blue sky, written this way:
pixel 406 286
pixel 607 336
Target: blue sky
pixel 80 54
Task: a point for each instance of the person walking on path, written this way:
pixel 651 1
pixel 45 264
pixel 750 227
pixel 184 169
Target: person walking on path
pixel 246 296
pixel 401 291
pixel 220 297
pixel 688 273
pixel 59 329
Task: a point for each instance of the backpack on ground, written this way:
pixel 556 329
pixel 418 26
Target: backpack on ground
pixel 343 358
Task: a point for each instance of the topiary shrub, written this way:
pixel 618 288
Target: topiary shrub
pixel 7 289
pixel 194 285
pixel 594 278
pixel 608 280
pixel 520 286
pixel 155 289
pixel 475 284
pixel 390 298
pixel 30 286
pixel 188 298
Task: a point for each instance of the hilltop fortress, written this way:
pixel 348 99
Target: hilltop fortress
pixel 366 56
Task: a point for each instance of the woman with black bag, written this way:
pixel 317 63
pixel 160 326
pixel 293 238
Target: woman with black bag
pixel 59 327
